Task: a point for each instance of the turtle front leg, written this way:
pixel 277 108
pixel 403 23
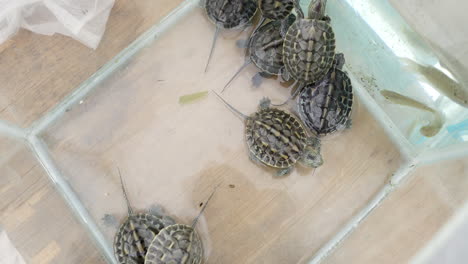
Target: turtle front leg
pixel 257 79
pixel 349 123
pixel 242 43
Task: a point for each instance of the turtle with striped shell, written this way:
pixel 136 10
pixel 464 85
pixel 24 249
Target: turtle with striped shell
pixel 265 49
pixel 274 10
pixel 309 45
pixel 177 243
pixel 228 14
pixel 136 233
pixel 326 107
pixel 278 139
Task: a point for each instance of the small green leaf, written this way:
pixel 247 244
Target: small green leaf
pixel 190 98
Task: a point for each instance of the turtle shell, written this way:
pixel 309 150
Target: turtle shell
pixel 178 244
pixel 230 13
pixel 276 9
pixel 309 50
pixel 326 107
pixel 135 236
pixel 266 46
pixel 275 137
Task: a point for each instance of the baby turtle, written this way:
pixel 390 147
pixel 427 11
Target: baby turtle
pixel 228 14
pixel 326 107
pixel 309 45
pixel 265 48
pixel 276 9
pixel 177 244
pixel 136 234
pixel 278 139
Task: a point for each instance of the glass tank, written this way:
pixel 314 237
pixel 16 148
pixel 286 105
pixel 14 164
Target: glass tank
pixel 152 114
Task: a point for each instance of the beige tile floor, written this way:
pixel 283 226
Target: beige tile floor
pixel 35 219
pixel 410 217
pixel 140 127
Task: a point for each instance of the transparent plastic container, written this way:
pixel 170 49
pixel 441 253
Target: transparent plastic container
pixel 173 155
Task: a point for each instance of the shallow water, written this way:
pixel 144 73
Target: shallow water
pixel 378 44
pixel 173 155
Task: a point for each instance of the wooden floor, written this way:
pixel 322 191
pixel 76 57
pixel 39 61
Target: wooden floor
pixel 410 217
pixel 38 71
pixel 173 155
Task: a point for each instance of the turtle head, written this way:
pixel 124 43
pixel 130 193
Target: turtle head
pixel 317 9
pixel 312 157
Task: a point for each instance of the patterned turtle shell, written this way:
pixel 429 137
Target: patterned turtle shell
pixel 178 244
pixel 135 236
pixel 276 9
pixel 326 107
pixel 266 48
pixel 309 48
pixel 230 14
pixel 275 137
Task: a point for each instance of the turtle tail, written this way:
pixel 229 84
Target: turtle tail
pixel 204 206
pixel 213 44
pixel 230 106
pixel 129 208
pixel 236 74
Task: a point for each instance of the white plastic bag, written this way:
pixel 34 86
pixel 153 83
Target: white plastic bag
pixel 83 20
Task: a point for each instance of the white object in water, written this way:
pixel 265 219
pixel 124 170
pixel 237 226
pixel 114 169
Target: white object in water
pixel 83 20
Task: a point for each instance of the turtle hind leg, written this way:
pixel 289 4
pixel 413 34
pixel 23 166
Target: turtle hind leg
pixel 265 103
pixel 283 172
pixel 254 159
pixel 257 80
pixel 242 43
pixel 348 124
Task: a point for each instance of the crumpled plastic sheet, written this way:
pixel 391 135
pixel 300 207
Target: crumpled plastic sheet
pixel 83 20
pixel 8 252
